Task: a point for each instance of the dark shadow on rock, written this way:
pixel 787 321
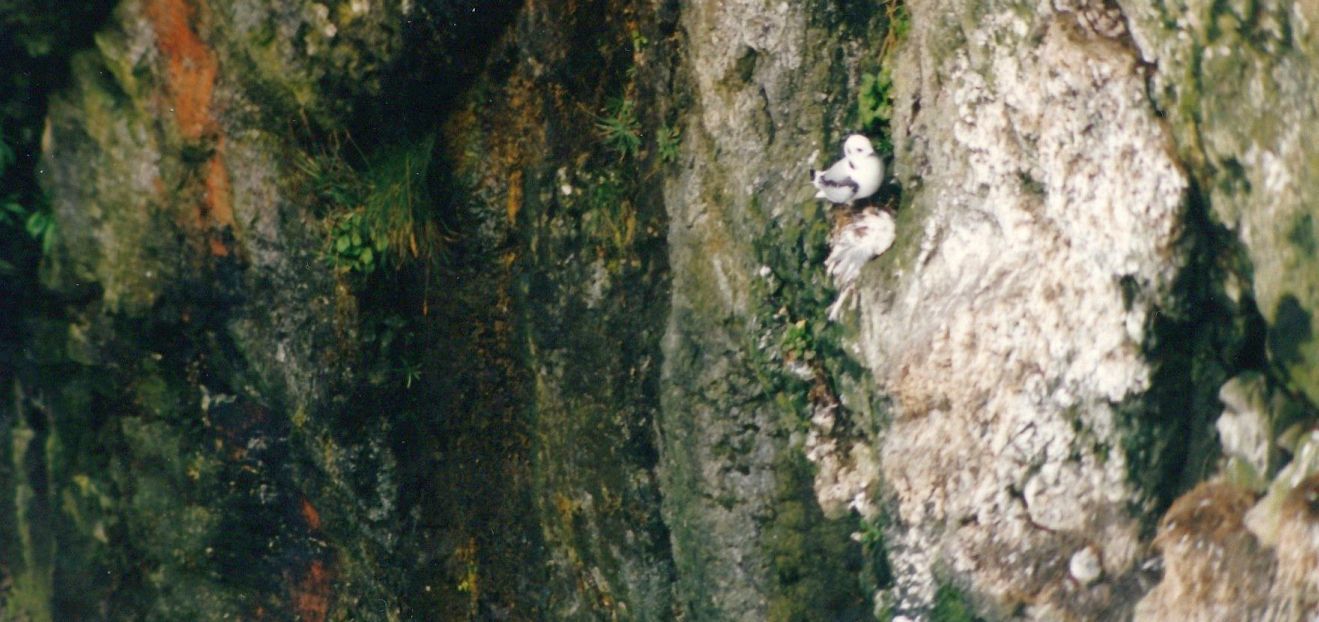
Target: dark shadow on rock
pixel 1291 328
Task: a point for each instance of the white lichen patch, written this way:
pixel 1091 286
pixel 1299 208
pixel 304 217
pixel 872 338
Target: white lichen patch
pixel 1244 429
pixel 1053 205
pixel 847 472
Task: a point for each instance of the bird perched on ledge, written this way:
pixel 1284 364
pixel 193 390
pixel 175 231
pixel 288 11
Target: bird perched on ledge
pixel 854 177
pixel 862 237
pixel 867 235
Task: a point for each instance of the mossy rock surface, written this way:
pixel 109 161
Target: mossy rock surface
pixel 516 310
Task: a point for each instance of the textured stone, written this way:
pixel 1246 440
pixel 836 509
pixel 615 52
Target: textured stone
pixel 1237 84
pixel 1245 428
pixel 1085 566
pixel 1266 519
pixel 748 533
pixel 622 396
pixel 1296 591
pixel 1213 567
pixel 1040 181
pixel 201 318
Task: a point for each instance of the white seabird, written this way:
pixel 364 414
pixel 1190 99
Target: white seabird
pixel 868 235
pixel 854 177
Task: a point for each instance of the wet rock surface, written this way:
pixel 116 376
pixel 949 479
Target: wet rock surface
pixel 431 309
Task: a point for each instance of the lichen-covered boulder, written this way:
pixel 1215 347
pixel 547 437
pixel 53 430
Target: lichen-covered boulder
pixel 1236 82
pixel 1213 567
pixel 1010 321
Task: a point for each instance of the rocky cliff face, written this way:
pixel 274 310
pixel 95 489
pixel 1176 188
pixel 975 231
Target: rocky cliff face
pixel 465 310
pixel 1048 230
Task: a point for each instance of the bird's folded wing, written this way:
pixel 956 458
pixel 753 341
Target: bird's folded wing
pixel 838 176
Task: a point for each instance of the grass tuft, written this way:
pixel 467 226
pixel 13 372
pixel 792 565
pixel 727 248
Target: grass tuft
pixel 378 214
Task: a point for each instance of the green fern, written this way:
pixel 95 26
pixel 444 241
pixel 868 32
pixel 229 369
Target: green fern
pixel 669 139
pixel 620 129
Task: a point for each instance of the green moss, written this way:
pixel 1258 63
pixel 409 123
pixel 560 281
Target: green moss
pixel 1199 339
pixel 790 302
pixel 874 98
pixel 118 61
pixel 875 103
pixel 100 98
pixel 951 605
pixel 815 563
pixel 154 394
pixel 610 218
pixel 267 59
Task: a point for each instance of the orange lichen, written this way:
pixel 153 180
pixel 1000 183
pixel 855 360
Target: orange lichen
pixel 514 196
pixel 216 210
pixel 191 65
pixel 310 515
pixel 191 70
pixel 311 599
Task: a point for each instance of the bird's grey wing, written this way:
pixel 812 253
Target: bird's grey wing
pixel 838 175
pixel 837 184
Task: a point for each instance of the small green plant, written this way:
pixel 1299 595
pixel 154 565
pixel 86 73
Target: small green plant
pixel 397 201
pixel 950 605
pixel 376 213
pixel 899 24
pixel 668 139
pixel 411 372
pixel 874 104
pixel 797 342
pixel 351 245
pixel 639 41
pixel 612 216
pixel 619 127
pixel 38 223
pixel 11 213
pixel 871 533
pixel 331 180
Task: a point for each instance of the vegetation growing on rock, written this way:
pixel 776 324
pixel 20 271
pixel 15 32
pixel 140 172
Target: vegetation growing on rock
pixel 456 309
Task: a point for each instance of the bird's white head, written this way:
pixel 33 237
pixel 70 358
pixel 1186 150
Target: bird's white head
pixel 858 146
